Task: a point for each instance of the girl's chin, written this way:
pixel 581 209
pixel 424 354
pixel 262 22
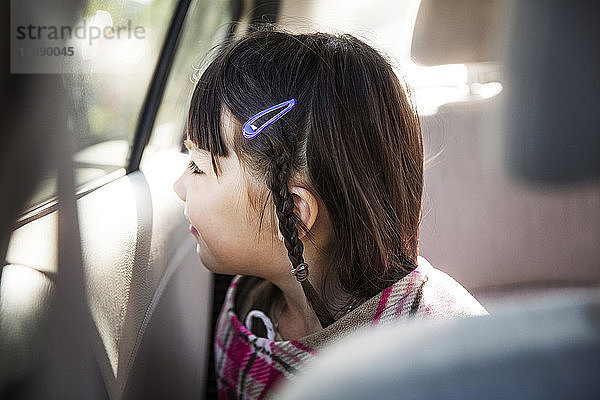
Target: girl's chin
pixel 209 262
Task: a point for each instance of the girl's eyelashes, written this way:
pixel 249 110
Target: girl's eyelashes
pixel 194 168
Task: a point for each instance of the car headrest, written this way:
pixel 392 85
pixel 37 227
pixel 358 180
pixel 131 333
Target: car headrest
pixel 458 31
pixel 552 84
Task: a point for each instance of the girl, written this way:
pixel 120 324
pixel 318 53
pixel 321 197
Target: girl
pixel 305 179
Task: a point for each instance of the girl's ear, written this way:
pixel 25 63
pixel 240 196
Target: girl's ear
pixel 306 207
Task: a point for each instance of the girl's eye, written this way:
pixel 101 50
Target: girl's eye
pixel 194 168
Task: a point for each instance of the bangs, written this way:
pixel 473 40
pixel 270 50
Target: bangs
pixel 204 128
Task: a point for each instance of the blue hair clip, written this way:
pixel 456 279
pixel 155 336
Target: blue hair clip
pixel 250 131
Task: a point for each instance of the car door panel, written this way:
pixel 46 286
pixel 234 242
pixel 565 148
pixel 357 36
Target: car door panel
pixel 141 272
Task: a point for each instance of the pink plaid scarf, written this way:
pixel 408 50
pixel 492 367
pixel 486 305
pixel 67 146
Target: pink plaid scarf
pixel 248 366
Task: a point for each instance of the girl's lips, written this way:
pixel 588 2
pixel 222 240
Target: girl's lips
pixel 193 230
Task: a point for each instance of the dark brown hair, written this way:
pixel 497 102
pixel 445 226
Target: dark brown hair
pixel 353 133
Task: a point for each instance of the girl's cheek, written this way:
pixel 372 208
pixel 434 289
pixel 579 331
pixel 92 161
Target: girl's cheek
pixel 195 210
pixel 205 214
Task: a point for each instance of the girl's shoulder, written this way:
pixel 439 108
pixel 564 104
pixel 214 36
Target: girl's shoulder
pixel 443 297
pixel 426 293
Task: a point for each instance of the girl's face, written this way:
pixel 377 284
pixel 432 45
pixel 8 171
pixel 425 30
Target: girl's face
pixel 222 220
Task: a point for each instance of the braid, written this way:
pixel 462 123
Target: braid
pixel 284 208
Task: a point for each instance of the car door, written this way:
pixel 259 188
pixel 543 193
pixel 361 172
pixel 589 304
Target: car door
pixel 149 298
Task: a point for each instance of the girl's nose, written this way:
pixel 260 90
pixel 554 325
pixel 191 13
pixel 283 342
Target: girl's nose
pixel 179 187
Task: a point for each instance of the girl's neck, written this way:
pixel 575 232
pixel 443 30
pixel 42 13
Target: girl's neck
pixel 297 318
pixel 292 312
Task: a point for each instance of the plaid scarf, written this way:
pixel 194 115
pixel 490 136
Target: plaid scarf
pixel 248 366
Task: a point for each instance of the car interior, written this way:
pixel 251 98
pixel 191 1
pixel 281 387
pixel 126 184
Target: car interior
pixel 102 294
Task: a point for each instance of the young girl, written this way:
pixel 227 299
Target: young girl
pixel 305 180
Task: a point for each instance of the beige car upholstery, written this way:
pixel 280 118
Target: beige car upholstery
pixel 496 235
pixel 148 294
pixel 25 295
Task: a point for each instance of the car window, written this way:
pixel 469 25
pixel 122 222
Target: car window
pixel 206 25
pixel 107 82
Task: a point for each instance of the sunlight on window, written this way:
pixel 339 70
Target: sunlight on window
pixel 389 27
pixel 437 85
pixel 90 49
pixel 109 44
pixel 486 90
pixel 115 45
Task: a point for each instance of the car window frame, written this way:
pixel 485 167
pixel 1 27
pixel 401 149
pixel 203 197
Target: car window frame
pixel 144 124
pixel 156 89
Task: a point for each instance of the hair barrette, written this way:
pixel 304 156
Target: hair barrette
pixel 250 131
